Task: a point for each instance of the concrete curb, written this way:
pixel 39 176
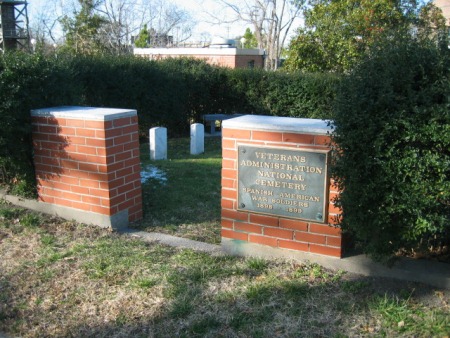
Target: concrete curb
pixel 116 222
pixel 428 272
pixel 179 242
pixel 424 271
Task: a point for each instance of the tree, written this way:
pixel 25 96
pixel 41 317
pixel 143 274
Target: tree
pixel 250 39
pixel 46 18
pixel 82 32
pixel 91 26
pixel 142 39
pixel 271 20
pixel 431 24
pixel 122 19
pixel 126 17
pixel 166 19
pixel 337 33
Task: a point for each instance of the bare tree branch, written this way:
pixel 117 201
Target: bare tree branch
pixel 272 21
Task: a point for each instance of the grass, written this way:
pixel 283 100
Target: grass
pixel 185 201
pixel 60 279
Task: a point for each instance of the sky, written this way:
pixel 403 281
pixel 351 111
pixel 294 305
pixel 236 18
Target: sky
pixel 198 9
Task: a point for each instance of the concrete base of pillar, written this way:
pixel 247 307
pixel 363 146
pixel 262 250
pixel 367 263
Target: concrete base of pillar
pixel 118 221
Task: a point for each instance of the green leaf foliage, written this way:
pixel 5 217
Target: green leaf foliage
pixel 392 162
pixel 172 93
pixel 82 32
pixel 28 82
pixel 250 39
pixel 283 94
pixel 337 34
pixel 143 38
pixel 300 95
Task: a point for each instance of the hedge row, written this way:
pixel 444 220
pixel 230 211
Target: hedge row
pixel 392 121
pixel 172 93
pixel 28 82
pixel 392 118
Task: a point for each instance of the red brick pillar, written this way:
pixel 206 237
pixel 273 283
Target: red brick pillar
pixel 87 164
pixel 276 191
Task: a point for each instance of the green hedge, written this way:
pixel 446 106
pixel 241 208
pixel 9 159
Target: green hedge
pixel 393 161
pixel 172 93
pixel 27 82
pixel 392 123
pixel 283 94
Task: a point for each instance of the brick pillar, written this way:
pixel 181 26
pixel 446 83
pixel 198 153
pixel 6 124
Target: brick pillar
pixel 275 206
pixel 87 164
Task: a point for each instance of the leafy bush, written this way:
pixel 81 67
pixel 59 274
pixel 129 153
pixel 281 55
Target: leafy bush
pixel 126 82
pixel 27 82
pixel 301 95
pixel 284 94
pixel 392 162
pixel 171 93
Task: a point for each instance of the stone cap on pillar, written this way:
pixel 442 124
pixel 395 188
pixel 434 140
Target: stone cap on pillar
pixel 280 124
pixel 84 113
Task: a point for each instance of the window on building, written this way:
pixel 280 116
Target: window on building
pixel 251 64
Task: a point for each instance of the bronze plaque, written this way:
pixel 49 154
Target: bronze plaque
pixel 283 182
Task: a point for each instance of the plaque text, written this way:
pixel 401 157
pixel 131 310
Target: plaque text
pixel 283 182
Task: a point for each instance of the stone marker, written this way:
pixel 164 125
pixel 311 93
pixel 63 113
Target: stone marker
pixel 197 138
pixel 276 187
pixel 158 143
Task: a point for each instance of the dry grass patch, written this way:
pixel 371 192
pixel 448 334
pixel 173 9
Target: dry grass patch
pixel 62 279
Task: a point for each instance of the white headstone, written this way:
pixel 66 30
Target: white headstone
pixel 158 143
pixel 197 138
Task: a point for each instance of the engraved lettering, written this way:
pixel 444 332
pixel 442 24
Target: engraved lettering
pixel 283 182
pixel 280 157
pixel 259 198
pixel 295 210
pixel 280 175
pixel 258 191
pixel 264 206
pixel 300 197
pixel 282 166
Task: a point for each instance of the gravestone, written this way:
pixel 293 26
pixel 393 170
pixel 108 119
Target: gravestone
pixel 158 143
pixel 197 138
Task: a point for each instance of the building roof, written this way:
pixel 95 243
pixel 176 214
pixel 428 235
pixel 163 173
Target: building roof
pixel 197 51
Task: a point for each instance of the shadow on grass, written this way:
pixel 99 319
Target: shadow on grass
pixel 81 281
pixel 306 302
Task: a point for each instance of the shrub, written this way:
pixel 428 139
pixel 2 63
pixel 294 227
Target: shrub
pixel 392 162
pixel 27 82
pixel 301 94
pixel 171 93
pixel 283 94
